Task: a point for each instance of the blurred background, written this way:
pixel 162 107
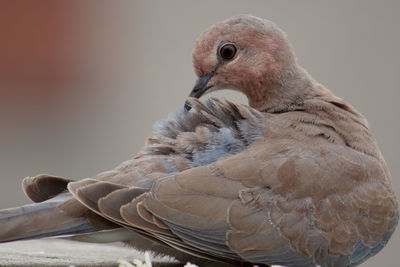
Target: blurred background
pixel 82 82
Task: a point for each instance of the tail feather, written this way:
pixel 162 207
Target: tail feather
pixel 42 219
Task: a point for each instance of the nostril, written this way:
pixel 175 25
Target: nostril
pixel 196 89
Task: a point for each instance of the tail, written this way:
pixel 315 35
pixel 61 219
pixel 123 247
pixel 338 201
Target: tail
pixel 57 213
pixel 39 220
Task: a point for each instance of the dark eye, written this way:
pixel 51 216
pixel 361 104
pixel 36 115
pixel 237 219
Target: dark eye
pixel 227 51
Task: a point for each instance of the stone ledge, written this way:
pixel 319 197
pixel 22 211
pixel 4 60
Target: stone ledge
pixel 58 252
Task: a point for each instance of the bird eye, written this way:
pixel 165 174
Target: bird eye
pixel 227 51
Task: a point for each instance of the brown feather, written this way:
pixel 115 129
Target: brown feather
pixel 43 187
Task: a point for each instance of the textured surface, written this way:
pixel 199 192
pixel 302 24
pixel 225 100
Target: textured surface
pixel 56 252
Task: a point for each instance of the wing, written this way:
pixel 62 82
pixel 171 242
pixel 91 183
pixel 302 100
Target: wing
pixel 273 204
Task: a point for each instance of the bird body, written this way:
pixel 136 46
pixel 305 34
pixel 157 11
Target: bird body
pixel 295 178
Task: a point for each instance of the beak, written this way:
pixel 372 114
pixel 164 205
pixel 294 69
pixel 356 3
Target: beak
pixel 200 87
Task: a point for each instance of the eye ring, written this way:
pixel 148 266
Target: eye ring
pixel 227 51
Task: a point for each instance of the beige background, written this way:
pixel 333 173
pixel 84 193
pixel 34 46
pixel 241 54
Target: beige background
pixel 81 83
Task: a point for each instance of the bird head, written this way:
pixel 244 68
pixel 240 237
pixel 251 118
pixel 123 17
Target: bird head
pixel 243 53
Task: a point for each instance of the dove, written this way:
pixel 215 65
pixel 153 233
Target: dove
pixel 294 178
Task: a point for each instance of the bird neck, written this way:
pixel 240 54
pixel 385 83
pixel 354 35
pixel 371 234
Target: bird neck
pixel 296 90
pixel 282 92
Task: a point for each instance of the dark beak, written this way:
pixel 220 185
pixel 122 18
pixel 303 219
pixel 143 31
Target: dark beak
pixel 200 87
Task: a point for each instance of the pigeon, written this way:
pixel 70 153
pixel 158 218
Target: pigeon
pixel 294 178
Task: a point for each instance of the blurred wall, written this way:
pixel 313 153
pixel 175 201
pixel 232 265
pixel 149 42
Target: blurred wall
pixel 82 82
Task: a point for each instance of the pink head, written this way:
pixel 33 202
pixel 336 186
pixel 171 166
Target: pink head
pixel 243 53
